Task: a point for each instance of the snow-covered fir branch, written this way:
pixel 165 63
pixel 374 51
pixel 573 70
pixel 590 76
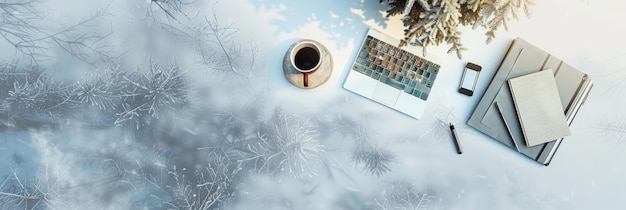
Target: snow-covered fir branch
pixel 431 22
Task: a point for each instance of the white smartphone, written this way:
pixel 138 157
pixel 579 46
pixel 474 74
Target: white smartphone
pixel 469 79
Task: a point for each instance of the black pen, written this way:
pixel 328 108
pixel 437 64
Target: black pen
pixel 456 140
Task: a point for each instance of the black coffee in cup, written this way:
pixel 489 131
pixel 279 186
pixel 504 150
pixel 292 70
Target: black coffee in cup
pixel 307 58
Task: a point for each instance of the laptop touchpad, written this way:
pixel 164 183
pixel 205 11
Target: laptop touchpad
pixel 386 94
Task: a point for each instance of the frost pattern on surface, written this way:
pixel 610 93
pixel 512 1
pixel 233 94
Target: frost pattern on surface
pixel 145 94
pixel 208 187
pixel 30 96
pixel 439 132
pixel 64 180
pixel 287 145
pixel 28 32
pixel 220 52
pixel 615 129
pixel 404 195
pixel 375 159
pixel 132 99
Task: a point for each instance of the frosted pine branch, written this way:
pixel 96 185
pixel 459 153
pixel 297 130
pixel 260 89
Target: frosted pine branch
pixel 432 22
pixel 98 90
pixel 32 95
pixel 204 188
pixel 147 94
pixel 287 146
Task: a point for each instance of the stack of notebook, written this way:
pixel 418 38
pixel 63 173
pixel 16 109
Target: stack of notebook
pixel 531 101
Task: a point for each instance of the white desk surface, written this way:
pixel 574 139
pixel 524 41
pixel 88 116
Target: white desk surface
pixel 587 172
pixel 589 168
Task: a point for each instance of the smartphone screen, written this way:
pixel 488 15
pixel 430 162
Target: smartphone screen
pixel 468 81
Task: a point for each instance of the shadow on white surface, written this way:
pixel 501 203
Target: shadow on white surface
pixel 340 19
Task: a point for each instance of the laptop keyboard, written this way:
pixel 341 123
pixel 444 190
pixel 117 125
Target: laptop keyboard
pixel 398 68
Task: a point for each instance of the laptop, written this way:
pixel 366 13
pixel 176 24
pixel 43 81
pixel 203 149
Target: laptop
pixel 392 76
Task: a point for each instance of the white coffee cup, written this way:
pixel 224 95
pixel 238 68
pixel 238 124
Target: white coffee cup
pixel 306 57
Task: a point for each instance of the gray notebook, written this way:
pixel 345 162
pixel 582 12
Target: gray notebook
pixel 538 106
